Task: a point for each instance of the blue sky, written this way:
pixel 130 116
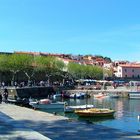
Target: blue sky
pixel 99 27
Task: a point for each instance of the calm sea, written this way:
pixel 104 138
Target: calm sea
pixel 125 118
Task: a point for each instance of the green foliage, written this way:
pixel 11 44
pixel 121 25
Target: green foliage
pixel 105 58
pixel 85 71
pixel 20 62
pixel 4 61
pixel 16 63
pixel 108 59
pixel 48 64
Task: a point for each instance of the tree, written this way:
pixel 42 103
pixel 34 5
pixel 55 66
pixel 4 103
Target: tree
pixel 17 63
pixel 28 65
pixel 108 59
pixel 51 66
pixel 75 70
pixel 4 67
pixel 4 61
pixel 85 71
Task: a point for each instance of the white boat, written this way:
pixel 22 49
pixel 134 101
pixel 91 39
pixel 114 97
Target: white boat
pixel 70 109
pixel 134 94
pixel 135 91
pixel 55 96
pixel 113 95
pixel 78 95
pixel 47 104
pixel 100 95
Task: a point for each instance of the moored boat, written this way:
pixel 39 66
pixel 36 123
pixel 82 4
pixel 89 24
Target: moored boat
pixel 134 94
pixel 113 95
pixel 95 112
pixel 100 95
pixel 79 95
pixel 55 96
pixel 70 109
pixel 47 104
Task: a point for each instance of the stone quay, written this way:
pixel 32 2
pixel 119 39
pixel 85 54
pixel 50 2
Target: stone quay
pixel 18 122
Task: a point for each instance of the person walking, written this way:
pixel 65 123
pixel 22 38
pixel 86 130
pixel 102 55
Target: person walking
pixel 3 84
pixel 0 98
pixel 5 95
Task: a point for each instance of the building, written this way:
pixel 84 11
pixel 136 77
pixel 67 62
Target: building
pixel 117 63
pixel 128 71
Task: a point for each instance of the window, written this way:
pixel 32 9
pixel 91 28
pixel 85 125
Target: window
pixel 133 76
pixel 125 70
pixel 125 75
pixel 132 70
pixel 138 76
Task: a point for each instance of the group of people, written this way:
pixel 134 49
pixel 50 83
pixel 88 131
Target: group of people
pixel 4 96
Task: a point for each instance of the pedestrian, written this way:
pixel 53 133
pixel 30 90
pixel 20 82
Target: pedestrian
pixel 5 95
pixel 15 84
pixel 0 98
pixel 3 84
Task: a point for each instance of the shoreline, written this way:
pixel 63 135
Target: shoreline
pixel 49 126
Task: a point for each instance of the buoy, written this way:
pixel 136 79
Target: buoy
pixel 139 120
pixel 139 117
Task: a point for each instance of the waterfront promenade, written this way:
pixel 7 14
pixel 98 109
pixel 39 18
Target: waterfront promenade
pixel 122 91
pixel 20 123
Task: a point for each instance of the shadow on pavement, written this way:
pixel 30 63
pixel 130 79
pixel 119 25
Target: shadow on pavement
pixel 61 129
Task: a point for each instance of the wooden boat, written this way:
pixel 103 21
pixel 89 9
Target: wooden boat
pixel 95 112
pixel 70 109
pixel 47 104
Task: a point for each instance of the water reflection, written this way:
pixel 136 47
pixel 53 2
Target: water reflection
pixel 95 119
pixel 124 119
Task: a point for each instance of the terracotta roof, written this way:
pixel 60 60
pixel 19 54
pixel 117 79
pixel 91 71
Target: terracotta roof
pixel 32 53
pixel 69 60
pixel 130 66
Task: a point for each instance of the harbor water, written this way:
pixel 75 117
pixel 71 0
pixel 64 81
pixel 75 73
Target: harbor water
pixel 125 118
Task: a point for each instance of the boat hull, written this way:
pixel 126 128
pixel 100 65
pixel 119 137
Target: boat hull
pixel 71 109
pixel 114 96
pixel 95 113
pixel 78 95
pixel 48 106
pixel 100 95
pixel 134 95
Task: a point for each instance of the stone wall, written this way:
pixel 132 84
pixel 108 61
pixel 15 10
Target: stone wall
pixel 27 92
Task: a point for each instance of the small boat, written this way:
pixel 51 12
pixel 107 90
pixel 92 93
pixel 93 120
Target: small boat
pixel 57 96
pixel 47 104
pixel 71 109
pixel 95 112
pixel 134 94
pixel 79 95
pixel 113 95
pixel 65 95
pixel 100 95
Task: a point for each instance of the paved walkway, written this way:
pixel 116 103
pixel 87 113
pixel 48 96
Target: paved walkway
pixel 20 123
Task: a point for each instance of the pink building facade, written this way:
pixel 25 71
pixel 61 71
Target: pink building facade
pixel 128 70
